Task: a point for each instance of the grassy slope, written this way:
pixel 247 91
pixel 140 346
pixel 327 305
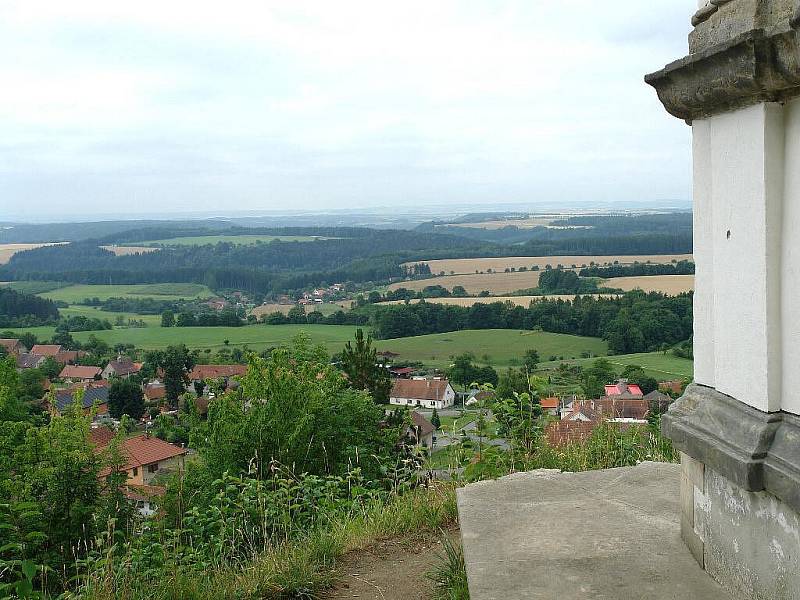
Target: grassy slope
pixel 231 239
pixel 656 364
pixel 77 310
pixel 160 291
pixel 504 347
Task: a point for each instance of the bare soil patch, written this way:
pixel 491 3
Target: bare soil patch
pixel 391 570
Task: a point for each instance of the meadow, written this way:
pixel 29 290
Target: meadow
pixel 77 310
pixel 656 364
pixel 459 266
pixel 498 347
pixel 667 284
pixel 161 291
pixel 230 239
pixel 494 283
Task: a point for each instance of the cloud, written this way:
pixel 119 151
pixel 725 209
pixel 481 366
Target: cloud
pixel 257 105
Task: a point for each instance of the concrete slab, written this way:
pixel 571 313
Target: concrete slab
pixel 611 535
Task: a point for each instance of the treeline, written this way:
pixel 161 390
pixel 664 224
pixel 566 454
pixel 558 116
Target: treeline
pixel 140 306
pixel 634 322
pixel 297 316
pixel 683 267
pixel 24 310
pixel 225 318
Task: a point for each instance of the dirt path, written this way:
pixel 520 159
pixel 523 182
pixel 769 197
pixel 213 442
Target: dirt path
pixel 390 570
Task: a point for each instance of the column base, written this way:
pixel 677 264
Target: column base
pixel 740 492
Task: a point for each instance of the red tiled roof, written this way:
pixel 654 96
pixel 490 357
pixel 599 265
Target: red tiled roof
pixel 623 389
pixel 11 345
pixel 45 350
pixel 563 433
pixel 101 437
pixel 124 366
pixel 613 408
pixel 201 372
pixel 425 427
pixel 143 492
pixel 401 370
pixel 144 450
pixel 155 392
pixel 420 389
pixel 79 372
pixel 551 402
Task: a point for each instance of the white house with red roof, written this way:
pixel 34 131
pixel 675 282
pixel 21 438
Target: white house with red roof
pixel 427 393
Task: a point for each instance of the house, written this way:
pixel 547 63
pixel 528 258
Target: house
pixel 623 389
pixel 428 393
pixel 675 386
pixel 91 395
pixel 658 401
pixel 12 346
pixel 145 498
pixel 550 405
pixel 46 350
pixel 421 431
pixel 401 372
pixel 146 457
pixel 478 397
pixel 610 409
pixel 203 372
pixel 566 432
pixel 155 392
pixel 123 367
pixel 29 361
pixel 75 373
pixel 68 357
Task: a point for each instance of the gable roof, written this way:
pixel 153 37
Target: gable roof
pixel 11 345
pixel 91 394
pixel 421 424
pixel 551 402
pixel 144 450
pixel 612 408
pixel 124 366
pixel 29 361
pixel 45 349
pixel 201 372
pixel 420 389
pixel 101 436
pixel 79 372
pixel 623 388
pixel 155 391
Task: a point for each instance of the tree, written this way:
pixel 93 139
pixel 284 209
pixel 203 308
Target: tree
pixel 531 360
pixel 360 363
pixel 175 362
pixel 125 398
pixel 462 371
pixel 635 374
pixel 595 377
pixel 435 420
pixel 168 319
pixel 11 407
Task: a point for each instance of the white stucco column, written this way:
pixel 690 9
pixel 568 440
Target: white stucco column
pixel 738 198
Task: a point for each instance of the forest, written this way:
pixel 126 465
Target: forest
pixel 635 322
pixel 24 310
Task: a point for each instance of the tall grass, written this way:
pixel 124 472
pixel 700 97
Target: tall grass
pixel 301 568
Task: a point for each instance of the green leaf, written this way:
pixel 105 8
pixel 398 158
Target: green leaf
pixel 29 569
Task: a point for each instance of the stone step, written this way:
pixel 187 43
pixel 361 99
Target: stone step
pixel 612 535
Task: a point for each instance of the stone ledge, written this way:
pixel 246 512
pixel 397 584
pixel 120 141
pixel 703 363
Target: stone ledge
pixel 753 67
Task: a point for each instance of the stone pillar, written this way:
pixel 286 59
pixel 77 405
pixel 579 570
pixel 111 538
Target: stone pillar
pixel 737 426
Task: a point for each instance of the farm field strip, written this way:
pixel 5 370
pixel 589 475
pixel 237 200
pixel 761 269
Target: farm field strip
pixel 162 291
pixel 460 266
pixel 231 239
pixel 495 283
pixel 656 364
pixel 667 284
pixel 127 250
pixel 9 250
pixel 518 300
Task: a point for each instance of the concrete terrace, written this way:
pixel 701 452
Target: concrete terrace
pixel 612 535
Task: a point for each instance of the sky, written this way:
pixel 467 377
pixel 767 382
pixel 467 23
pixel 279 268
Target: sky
pixel 145 108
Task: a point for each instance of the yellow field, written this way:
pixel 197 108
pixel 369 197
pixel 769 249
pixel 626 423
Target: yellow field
pixel 126 250
pixel 325 308
pixel 495 283
pixel 667 284
pixel 460 266
pixel 518 300
pixel 520 223
pixel 9 250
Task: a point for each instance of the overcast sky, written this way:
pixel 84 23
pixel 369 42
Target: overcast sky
pixel 149 107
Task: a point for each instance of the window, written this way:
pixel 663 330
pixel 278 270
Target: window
pixel 135 471
pixel 153 468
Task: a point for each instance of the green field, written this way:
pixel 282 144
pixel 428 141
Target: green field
pixel 255 337
pixel 498 347
pixel 35 287
pixel 243 240
pixel 656 364
pixel 161 291
pixel 76 310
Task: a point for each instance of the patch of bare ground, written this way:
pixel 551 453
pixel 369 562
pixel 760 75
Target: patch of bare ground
pixel 392 569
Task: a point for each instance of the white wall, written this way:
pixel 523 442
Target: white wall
pixel 790 262
pixel 739 182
